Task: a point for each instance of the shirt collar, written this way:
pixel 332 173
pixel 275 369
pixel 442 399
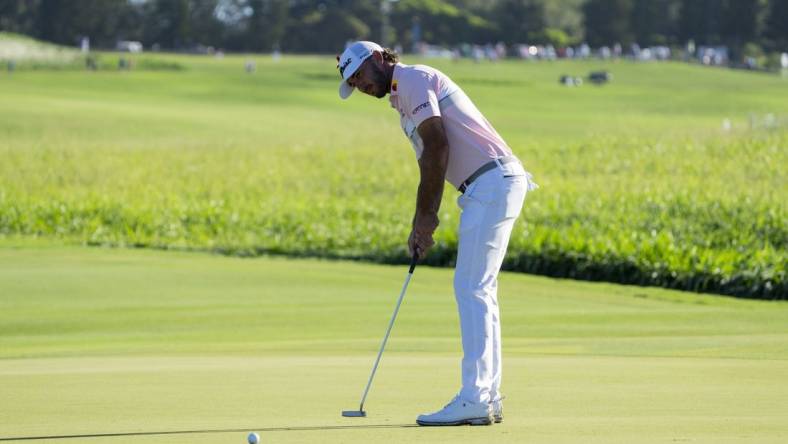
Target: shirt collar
pixel 393 88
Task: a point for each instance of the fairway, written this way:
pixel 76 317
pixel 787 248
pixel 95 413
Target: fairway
pixel 112 341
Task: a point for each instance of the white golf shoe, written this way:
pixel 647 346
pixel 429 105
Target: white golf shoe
pixel 497 410
pixel 459 412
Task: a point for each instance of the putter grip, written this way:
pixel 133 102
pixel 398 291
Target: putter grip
pixel 413 262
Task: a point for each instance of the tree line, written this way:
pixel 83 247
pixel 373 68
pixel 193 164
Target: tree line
pixel 323 26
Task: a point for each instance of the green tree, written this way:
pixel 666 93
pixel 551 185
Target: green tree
pixel 323 28
pixel 655 22
pixel 18 16
pixel 52 21
pixel 267 24
pixel 181 24
pixel 204 26
pixel 776 31
pixel 566 16
pixel 520 21
pixel 65 22
pixel 733 23
pixel 608 22
pixel 440 23
pixel 701 21
pixel 169 23
pixel 740 21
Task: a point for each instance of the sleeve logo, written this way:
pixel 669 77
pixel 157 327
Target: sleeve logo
pixel 421 107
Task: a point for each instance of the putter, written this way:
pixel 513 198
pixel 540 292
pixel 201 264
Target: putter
pixel 360 413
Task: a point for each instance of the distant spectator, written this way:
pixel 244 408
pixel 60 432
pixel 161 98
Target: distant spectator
pixel 549 52
pixel 90 63
pixel 713 55
pixel 11 66
pixel 250 67
pixel 584 51
pixel 500 50
pixel 661 52
pixel 128 46
pixel 478 53
pixel 490 53
pixel 691 47
pixel 276 54
pixel 635 49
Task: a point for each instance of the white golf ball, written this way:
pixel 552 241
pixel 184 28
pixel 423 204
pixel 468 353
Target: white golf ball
pixel 253 438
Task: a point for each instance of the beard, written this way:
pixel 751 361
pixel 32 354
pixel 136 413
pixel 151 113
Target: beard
pixel 378 78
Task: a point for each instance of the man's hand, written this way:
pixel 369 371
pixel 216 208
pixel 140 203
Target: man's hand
pixel 420 239
pixel 432 166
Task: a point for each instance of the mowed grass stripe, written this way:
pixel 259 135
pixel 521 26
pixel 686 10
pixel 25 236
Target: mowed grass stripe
pixel 61 301
pixel 115 341
pixel 297 399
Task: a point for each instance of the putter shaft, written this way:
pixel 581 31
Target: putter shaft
pixel 388 331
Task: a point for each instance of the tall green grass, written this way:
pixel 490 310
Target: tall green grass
pixel 639 182
pixel 19 52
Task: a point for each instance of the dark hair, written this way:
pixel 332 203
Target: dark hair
pixel 390 56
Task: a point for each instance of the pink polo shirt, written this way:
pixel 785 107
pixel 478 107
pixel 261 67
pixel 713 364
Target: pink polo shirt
pixel 419 92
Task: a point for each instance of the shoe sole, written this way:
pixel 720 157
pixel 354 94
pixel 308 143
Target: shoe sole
pixel 498 419
pixel 470 421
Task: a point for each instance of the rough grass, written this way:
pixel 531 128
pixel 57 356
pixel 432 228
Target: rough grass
pixel 639 182
pixel 27 51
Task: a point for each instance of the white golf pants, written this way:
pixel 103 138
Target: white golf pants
pixel 490 206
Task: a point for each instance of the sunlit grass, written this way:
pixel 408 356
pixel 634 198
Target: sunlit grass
pixel 639 182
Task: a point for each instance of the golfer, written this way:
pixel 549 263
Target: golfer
pixel 455 143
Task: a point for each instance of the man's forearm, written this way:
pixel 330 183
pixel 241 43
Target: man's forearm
pixel 432 166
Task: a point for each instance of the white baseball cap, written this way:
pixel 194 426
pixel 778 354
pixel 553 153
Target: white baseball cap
pixel 350 60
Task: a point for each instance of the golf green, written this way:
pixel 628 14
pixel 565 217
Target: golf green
pixel 138 344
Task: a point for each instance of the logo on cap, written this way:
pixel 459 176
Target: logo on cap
pixel 344 65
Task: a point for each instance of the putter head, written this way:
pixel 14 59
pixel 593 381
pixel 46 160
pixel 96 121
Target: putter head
pixel 354 413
